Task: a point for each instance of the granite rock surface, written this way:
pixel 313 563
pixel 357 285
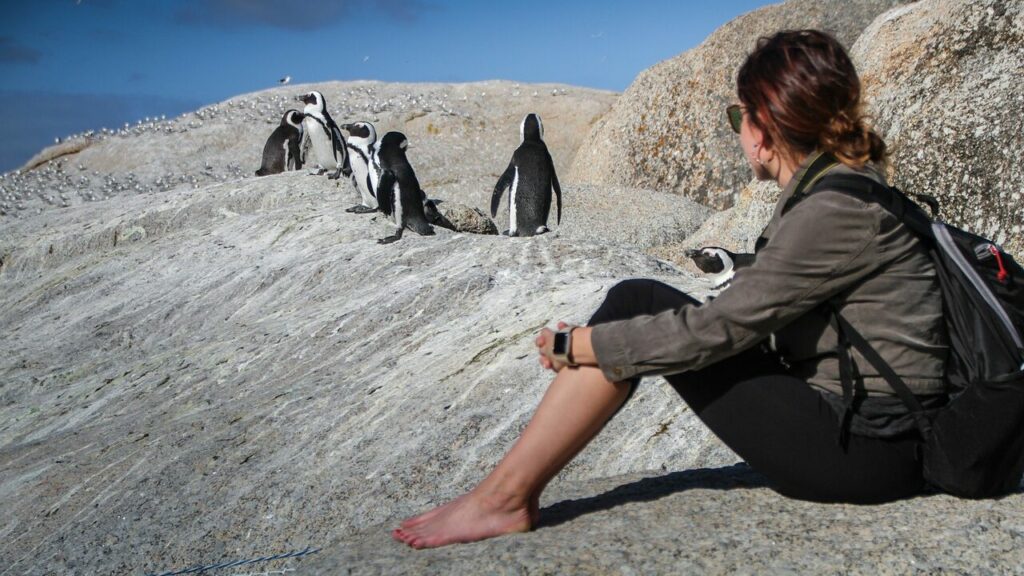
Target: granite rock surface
pixel 668 130
pixel 943 79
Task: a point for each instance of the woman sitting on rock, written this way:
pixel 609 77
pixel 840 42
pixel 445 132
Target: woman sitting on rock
pixel 758 364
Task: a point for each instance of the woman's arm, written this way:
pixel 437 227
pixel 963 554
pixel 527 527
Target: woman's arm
pixel 582 353
pixel 823 246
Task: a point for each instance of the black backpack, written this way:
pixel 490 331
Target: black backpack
pixel 974 446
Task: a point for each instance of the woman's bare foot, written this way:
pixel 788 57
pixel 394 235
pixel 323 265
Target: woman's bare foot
pixel 421 518
pixel 471 517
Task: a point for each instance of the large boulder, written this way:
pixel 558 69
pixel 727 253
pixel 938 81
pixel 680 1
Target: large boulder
pixel 943 79
pixel 668 130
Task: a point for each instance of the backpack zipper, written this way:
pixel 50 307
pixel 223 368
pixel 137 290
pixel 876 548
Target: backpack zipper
pixel 946 242
pixel 1003 275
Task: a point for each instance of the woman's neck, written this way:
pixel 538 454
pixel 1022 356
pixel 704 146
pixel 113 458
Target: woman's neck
pixel 788 167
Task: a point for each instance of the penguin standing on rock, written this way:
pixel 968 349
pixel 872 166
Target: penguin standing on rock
pixel 399 195
pixel 362 148
pixel 531 178
pixel 282 149
pixel 323 134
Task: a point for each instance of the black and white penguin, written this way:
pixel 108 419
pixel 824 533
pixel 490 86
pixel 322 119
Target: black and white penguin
pixel 362 144
pixel 531 178
pixel 328 145
pixel 719 262
pixel 399 195
pixel 281 151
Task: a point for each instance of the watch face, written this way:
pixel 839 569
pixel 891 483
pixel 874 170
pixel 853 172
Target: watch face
pixel 560 345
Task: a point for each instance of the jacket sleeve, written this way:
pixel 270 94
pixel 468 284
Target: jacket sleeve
pixel 822 246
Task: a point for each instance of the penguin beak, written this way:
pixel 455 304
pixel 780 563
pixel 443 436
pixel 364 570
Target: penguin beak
pixel 346 127
pixel 690 252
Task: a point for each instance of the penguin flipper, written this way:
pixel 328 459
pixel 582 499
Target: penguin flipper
pixel 346 165
pixel 338 143
pixel 557 188
pixel 504 182
pixel 304 147
pixel 369 185
pixel 384 189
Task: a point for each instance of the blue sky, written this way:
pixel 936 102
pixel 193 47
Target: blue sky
pixel 72 65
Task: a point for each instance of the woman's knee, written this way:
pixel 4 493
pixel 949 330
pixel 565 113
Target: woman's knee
pixel 621 301
pixel 631 289
pixel 636 297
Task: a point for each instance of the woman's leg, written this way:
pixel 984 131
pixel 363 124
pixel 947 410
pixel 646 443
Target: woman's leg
pixel 575 407
pixel 787 431
pixel 777 423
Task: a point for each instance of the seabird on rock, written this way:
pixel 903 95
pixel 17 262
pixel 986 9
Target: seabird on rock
pixel 285 80
pixel 718 262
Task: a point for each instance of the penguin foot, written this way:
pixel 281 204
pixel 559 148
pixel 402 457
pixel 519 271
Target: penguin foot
pixel 389 239
pixel 317 171
pixel 542 230
pixel 360 209
pixel 335 175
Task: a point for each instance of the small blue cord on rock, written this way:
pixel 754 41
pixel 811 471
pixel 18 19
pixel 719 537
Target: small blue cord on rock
pixel 204 568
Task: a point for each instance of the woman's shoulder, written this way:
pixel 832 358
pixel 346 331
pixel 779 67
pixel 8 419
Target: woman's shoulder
pixel 872 171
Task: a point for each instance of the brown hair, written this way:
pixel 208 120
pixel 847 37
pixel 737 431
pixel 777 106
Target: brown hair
pixel 801 89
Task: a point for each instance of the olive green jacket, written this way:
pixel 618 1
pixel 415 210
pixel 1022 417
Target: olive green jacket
pixel 829 246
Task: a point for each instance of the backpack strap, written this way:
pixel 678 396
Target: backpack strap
pixel 849 335
pixel 910 214
pixel 889 197
pixel 815 170
pixel 845 377
pixel 811 177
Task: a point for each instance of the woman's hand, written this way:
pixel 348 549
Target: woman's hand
pixel 545 341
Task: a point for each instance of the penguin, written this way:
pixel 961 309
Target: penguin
pixel 719 262
pixel 328 146
pixel 399 195
pixel 531 178
pixel 282 149
pixel 362 148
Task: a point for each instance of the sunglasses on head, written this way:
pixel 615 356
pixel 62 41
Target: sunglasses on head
pixel 735 114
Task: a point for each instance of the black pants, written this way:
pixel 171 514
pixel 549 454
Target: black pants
pixel 781 426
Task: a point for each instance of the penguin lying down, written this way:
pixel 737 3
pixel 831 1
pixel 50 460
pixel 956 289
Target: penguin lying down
pixel 720 263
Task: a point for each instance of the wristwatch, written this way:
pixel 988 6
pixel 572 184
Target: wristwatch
pixel 561 349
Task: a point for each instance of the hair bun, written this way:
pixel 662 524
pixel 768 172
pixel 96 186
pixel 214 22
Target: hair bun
pixel 848 137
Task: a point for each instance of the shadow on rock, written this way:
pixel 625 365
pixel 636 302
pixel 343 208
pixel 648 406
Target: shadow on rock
pixel 725 478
